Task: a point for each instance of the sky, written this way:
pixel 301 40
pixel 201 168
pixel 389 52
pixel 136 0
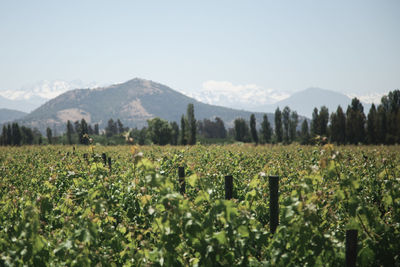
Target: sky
pixel 269 47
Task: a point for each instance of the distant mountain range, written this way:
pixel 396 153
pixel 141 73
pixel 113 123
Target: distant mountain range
pixel 8 115
pixel 133 102
pixel 24 105
pixel 305 101
pixel 34 95
pixel 137 100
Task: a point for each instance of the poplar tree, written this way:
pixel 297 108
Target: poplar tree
pixel 304 134
pixel 286 121
pixel 191 125
pixel 278 125
pixel 183 131
pixel 70 131
pixel 372 119
pixel 253 129
pixel 266 130
pixel 49 135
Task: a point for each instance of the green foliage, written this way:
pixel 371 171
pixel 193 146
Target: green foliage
pixel 241 130
pixel 60 209
pixel 253 130
pixel 160 131
pixel 278 125
pixel 266 130
pixel 191 123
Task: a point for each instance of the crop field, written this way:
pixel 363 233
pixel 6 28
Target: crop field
pixel 62 206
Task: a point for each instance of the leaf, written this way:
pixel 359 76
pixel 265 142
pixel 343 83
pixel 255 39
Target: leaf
pixel 243 231
pixel 254 182
pixel 221 237
pixel 202 196
pixel 366 256
pixel 387 200
pixel 192 179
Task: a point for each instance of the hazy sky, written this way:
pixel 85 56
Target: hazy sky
pixel 347 46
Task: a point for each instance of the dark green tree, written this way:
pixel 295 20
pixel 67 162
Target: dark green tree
pixel 16 134
pixel 294 120
pixel 96 129
pixel 211 129
pixel 266 130
pixel 49 135
pixel 355 122
pixel 111 128
pixel 315 128
pixel 286 122
pixel 70 132
pixel 304 134
pixel 278 125
pixel 381 125
pixel 183 131
pixel 191 125
pixel 83 134
pixel 174 133
pixel 9 135
pixel 121 127
pixel 323 119
pixel 337 127
pixel 159 131
pixel 253 128
pixel 372 121
pixel 241 130
pixel 3 137
pixel 27 135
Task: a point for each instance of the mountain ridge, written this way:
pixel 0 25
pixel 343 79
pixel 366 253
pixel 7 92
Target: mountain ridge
pixel 133 102
pixel 8 115
pixel 306 100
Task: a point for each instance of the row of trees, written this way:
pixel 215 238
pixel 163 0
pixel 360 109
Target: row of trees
pixel 380 126
pixel 14 135
pixel 162 132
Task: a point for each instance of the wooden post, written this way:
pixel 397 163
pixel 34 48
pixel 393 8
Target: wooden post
pixel 104 157
pixel 181 174
pixel 109 163
pixel 228 187
pixel 351 248
pixel 273 203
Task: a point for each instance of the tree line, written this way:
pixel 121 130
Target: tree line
pixel 380 126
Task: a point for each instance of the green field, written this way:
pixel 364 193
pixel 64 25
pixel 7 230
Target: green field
pixel 61 208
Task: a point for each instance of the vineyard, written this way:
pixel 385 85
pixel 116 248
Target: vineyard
pixel 125 206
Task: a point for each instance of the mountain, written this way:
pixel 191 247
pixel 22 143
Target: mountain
pixel 133 102
pixel 32 96
pixel 25 105
pixel 305 101
pixel 7 115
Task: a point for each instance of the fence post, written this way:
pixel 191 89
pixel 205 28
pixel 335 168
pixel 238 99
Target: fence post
pixel 228 187
pixel 109 163
pixel 181 174
pixel 104 157
pixel 273 203
pixel 351 247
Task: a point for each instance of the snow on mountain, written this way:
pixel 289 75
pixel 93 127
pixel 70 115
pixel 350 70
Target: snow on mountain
pixel 247 96
pixel 45 89
pixel 30 97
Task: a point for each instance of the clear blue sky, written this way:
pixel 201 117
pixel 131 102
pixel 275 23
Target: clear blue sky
pixel 348 46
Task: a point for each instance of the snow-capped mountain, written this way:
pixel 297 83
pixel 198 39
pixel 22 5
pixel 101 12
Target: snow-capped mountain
pixel 29 97
pixel 248 96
